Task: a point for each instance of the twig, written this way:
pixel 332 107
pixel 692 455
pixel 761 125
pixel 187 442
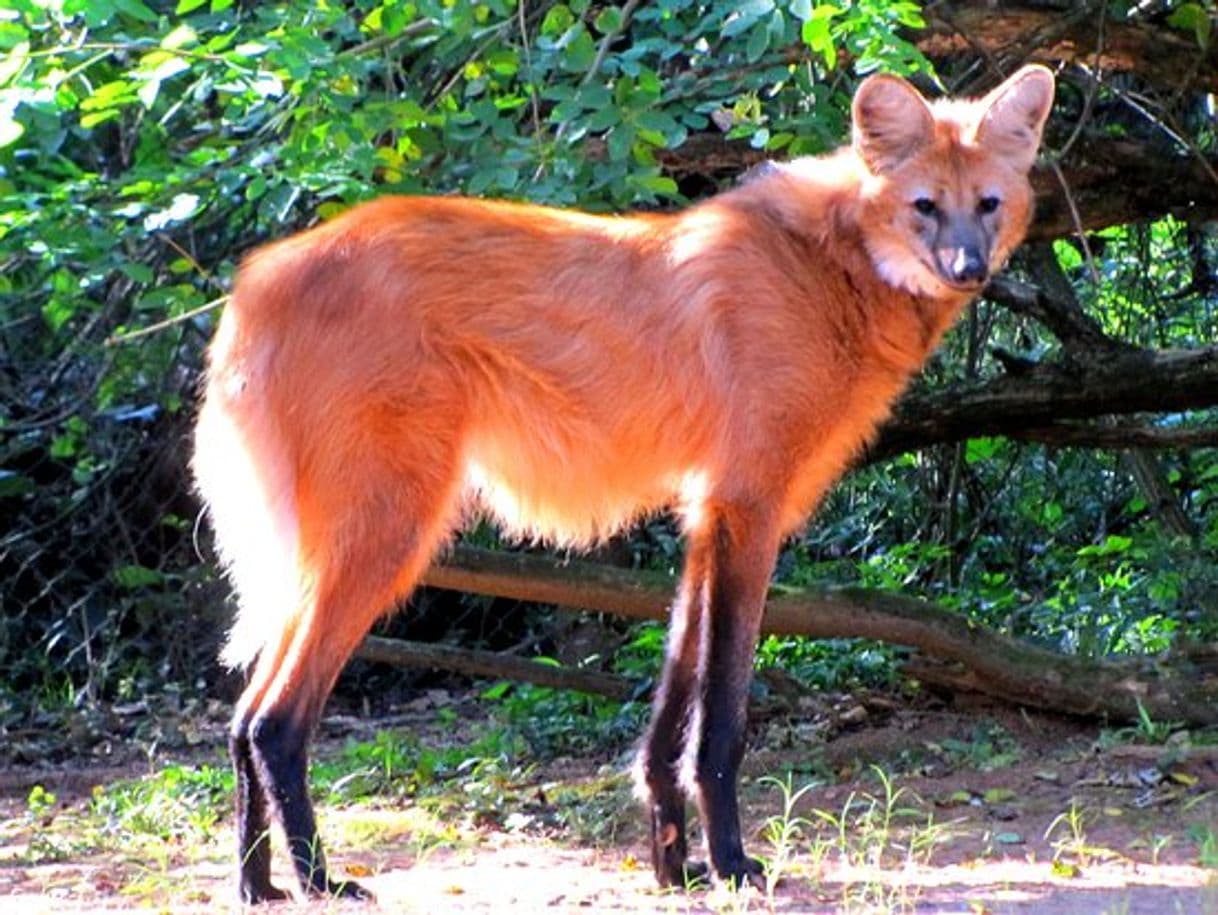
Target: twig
pixel 607 40
pixel 1142 106
pixel 387 41
pixel 115 339
pixel 459 71
pixel 1093 90
pixel 1092 269
pixel 534 103
pixel 194 263
pixel 139 45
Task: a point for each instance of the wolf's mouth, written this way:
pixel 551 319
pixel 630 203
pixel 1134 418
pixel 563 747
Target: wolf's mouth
pixel 942 275
pixel 965 286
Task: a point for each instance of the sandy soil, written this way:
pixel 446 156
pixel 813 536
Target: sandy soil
pixel 998 815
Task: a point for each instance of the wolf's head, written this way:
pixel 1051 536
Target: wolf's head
pixel 946 197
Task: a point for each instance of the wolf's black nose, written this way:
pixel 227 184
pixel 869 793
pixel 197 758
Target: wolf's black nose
pixel 967 266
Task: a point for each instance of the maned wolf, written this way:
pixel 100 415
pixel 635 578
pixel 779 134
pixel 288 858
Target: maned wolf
pixel 379 375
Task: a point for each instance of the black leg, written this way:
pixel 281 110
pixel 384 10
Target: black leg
pixel 253 832
pixel 278 749
pixel 743 559
pixel 667 735
pixel 360 548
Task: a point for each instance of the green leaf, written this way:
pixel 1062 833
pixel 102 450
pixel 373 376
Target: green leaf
pixel 506 177
pixel 97 13
pixel 502 62
pixel 56 312
pixel 620 142
pixel 981 449
pixel 738 24
pixel 69 443
pixel 580 50
pixel 779 141
pixel 659 121
pixel 136 576
pixel 141 273
pixel 908 15
pixel 111 94
pixel 1062 868
pixel 396 18
pixel 497 690
pixel 98 117
pixel 180 37
pixel 1113 545
pixel 12 36
pixel 608 20
pixel 607 117
pixel 759 43
pixel 188 6
pixel 557 20
pixel 746 15
pixel 652 137
pixel 1193 17
pixel 661 185
pixel 136 10
pixel 817 34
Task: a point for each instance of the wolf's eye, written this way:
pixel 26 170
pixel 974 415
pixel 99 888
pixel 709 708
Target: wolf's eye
pixel 925 206
pixel 988 204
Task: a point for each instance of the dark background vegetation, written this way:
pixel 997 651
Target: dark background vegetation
pixel 1053 474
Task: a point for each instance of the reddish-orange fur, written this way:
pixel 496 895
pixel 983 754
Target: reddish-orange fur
pixel 376 376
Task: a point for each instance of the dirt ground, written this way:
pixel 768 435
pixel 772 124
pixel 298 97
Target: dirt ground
pixel 987 811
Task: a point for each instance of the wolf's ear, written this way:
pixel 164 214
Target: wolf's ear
pixel 891 122
pixel 1013 115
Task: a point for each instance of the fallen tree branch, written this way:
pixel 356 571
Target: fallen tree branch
pixel 495 665
pixel 995 664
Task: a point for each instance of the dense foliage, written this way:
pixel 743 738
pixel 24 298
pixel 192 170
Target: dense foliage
pixel 144 146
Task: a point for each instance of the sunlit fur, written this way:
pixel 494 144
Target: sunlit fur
pixel 376 375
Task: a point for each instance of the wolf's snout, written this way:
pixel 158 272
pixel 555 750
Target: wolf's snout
pixel 963 266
